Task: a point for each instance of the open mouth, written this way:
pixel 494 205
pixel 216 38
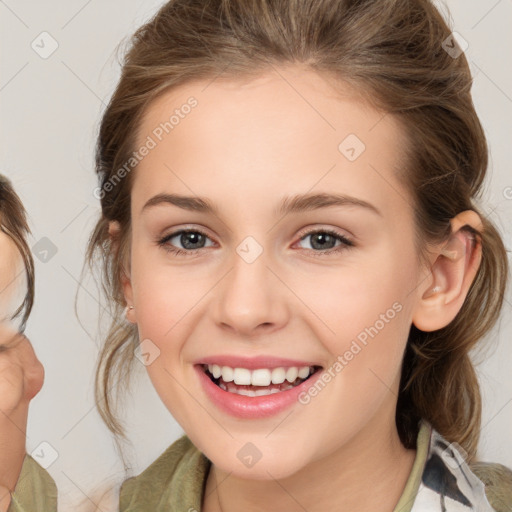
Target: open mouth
pixel 260 382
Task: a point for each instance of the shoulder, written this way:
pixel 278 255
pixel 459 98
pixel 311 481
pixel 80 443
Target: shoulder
pixel 175 476
pixel 497 479
pixel 167 461
pixel 35 488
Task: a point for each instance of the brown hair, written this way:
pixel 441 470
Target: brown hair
pixel 391 51
pixel 13 223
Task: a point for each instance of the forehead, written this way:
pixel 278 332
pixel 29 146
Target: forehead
pixel 275 99
pixel 285 129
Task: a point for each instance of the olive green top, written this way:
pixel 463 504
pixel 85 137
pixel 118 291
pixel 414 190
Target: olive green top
pixel 175 481
pixel 35 490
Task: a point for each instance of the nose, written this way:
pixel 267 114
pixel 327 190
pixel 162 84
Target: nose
pixel 251 299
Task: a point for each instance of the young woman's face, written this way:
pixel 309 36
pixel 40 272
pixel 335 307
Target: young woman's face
pixel 325 284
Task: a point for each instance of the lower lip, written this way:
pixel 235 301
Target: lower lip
pixel 250 407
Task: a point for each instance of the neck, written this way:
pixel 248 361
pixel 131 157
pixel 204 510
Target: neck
pixel 368 474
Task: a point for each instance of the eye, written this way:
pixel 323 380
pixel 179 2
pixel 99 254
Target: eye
pixel 192 240
pixel 323 241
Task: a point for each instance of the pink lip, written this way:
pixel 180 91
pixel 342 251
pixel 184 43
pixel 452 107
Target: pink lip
pixel 248 407
pixel 253 363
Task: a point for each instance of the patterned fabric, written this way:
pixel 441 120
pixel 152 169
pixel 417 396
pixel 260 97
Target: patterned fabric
pixel 447 484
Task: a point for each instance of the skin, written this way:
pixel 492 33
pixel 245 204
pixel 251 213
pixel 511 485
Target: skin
pixel 244 147
pixel 21 373
pixel 12 277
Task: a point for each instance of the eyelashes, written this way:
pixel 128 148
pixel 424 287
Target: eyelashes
pixel 332 235
pixel 163 242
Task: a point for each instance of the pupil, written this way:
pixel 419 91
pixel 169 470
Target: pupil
pixel 326 237
pixel 189 237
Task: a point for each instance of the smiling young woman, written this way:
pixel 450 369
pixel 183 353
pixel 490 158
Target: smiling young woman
pixel 229 269
pixel 250 281
pixel 326 175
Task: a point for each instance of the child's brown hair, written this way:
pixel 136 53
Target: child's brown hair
pixel 391 52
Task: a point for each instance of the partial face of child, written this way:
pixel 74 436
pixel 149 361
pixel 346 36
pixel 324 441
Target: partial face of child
pixel 13 280
pixel 263 281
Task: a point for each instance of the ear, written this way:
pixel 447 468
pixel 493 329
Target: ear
pixel 453 271
pixel 114 230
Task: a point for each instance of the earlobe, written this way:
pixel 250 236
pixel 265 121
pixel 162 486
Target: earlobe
pixel 129 311
pixel 128 314
pixel 114 230
pixel 452 274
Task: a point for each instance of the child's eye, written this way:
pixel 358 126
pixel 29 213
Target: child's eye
pixel 194 240
pixel 325 240
pixel 191 240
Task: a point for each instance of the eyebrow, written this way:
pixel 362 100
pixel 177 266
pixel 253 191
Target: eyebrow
pixel 292 204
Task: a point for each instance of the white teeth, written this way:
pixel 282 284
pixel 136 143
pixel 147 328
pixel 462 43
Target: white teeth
pixel 291 374
pixel 215 370
pixel 304 372
pixel 279 375
pixel 227 373
pixel 262 392
pixel 250 392
pixel 242 376
pixel 260 377
pixel 246 392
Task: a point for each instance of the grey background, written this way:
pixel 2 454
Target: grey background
pixel 50 110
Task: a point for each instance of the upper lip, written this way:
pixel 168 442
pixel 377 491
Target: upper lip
pixel 253 363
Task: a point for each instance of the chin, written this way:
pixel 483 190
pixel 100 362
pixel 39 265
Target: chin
pixel 265 468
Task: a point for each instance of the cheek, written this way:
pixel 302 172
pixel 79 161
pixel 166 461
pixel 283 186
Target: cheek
pixel 355 298
pixel 162 297
pixel 163 305
pixel 13 281
pixel 365 318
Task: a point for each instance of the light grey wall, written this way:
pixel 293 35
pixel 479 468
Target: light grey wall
pixel 50 112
